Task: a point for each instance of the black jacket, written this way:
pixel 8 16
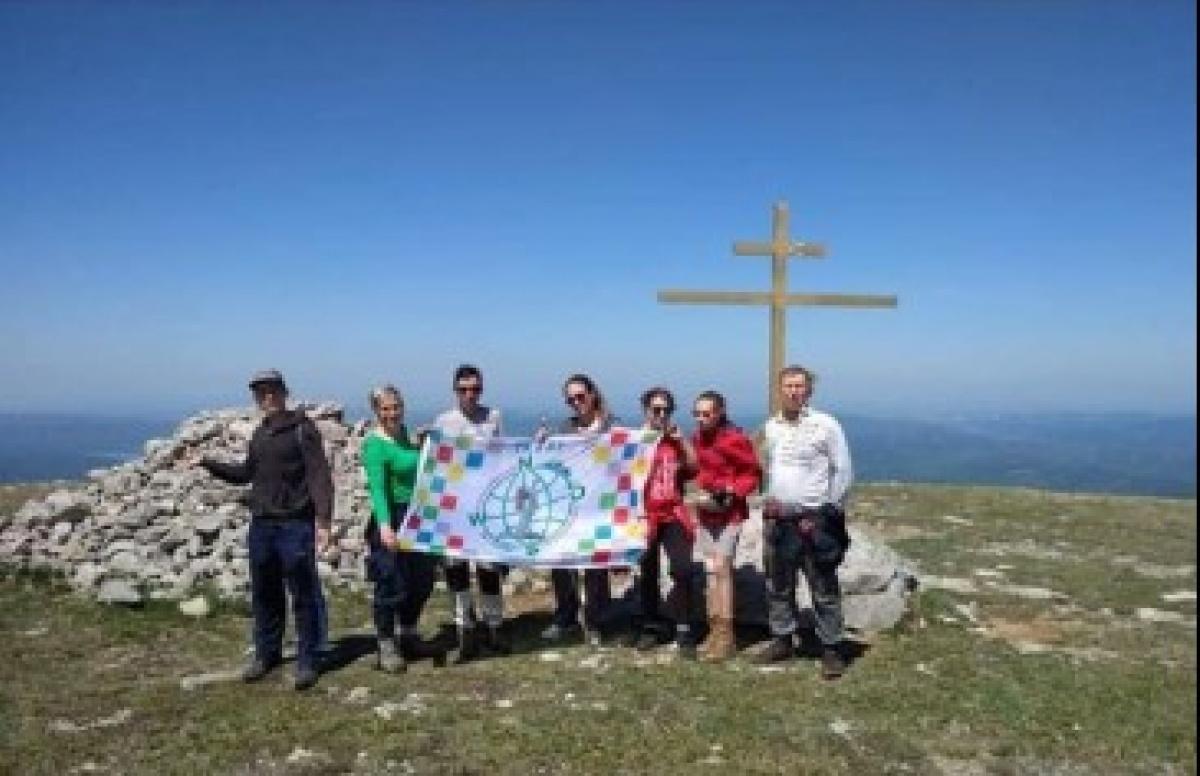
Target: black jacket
pixel 286 468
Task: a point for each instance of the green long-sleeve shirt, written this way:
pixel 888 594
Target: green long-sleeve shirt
pixel 391 467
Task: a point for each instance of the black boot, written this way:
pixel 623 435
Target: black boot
pixel 780 649
pixel 495 641
pixel 306 677
pixel 833 665
pixel 468 645
pixel 258 668
pixel 414 648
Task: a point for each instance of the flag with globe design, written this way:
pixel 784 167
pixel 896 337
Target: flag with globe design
pixel 569 501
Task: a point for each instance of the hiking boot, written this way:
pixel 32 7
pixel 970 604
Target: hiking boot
pixel 495 641
pixel 391 660
pixel 306 677
pixel 414 648
pixel 720 644
pixel 780 649
pixel 258 668
pixel 833 665
pixel 468 645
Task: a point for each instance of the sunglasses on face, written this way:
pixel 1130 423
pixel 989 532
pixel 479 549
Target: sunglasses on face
pixel 474 390
pixel 576 398
pixel 659 409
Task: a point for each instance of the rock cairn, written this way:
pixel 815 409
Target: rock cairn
pixel 155 527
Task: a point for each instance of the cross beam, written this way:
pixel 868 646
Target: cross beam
pixel 780 248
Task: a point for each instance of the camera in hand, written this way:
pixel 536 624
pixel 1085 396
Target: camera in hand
pixel 722 499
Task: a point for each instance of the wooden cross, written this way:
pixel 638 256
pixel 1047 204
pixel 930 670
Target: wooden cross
pixel 780 248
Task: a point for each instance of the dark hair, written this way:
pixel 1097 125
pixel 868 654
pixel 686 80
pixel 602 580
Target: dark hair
pixel 718 401
pixel 592 388
pixel 465 371
pixel 658 390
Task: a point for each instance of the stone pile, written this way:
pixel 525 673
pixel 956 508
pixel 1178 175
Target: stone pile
pixel 157 527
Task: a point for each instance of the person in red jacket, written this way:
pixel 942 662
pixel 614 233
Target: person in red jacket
pixel 670 529
pixel 728 472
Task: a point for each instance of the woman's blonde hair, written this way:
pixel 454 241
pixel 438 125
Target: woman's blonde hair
pixel 376 395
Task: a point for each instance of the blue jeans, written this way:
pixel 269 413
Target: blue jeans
pixel 282 554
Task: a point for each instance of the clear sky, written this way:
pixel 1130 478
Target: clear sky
pixel 356 192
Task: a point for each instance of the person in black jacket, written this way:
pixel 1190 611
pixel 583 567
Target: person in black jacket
pixel 291 505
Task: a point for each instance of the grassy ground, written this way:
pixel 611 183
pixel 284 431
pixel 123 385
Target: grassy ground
pixel 1054 659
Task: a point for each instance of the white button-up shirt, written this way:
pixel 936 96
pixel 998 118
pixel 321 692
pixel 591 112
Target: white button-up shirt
pixel 808 460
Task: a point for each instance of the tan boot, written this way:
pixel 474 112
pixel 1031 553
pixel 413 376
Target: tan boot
pixel 720 644
pixel 711 597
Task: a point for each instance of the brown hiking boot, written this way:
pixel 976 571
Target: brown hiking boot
pixel 719 645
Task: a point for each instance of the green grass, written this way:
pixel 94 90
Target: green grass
pixel 930 697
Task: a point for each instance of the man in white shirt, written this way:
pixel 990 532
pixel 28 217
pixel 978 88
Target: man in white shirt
pixel 470 418
pixel 804 526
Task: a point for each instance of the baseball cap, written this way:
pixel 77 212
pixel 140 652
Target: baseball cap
pixel 266 376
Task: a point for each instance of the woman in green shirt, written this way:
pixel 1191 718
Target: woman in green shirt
pixel 403 580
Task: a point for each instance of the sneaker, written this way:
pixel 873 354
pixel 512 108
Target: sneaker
pixel 833 665
pixel 593 636
pixel 646 641
pixel 306 677
pixel 556 632
pixel 258 668
pixel 780 649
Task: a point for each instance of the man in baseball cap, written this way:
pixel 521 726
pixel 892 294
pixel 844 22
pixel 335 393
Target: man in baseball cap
pixel 291 503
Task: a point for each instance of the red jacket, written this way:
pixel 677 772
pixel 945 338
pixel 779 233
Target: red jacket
pixel 664 489
pixel 727 460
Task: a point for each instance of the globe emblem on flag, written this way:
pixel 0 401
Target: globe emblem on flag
pixel 528 506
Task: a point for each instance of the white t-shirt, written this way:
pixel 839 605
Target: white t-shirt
pixel 453 423
pixel 808 460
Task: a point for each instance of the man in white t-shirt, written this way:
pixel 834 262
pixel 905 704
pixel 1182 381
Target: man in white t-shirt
pixel 804 524
pixel 470 418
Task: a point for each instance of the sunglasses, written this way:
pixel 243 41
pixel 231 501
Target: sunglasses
pixel 659 409
pixel 576 398
pixel 474 390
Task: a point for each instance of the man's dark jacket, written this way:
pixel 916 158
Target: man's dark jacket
pixel 286 468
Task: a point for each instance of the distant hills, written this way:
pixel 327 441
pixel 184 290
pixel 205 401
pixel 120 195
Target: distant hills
pixel 1114 453
pixel 1141 454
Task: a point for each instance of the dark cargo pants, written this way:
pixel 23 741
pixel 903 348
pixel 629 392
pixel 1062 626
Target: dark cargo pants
pixel 788 552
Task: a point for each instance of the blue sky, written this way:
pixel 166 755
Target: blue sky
pixel 356 192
